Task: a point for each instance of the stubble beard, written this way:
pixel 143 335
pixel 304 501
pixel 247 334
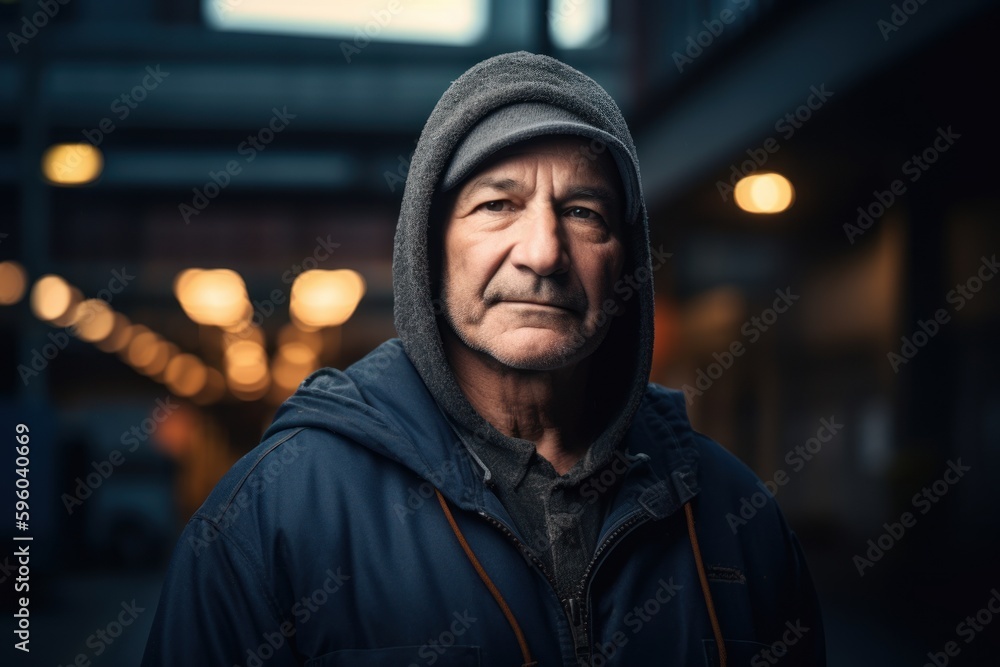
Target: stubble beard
pixel 463 319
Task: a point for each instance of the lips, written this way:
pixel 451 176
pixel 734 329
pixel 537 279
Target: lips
pixel 548 295
pixel 540 303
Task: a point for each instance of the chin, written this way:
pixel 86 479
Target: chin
pixel 539 349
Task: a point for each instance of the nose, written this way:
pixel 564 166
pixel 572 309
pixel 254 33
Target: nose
pixel 540 244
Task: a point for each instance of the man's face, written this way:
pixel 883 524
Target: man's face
pixel 532 247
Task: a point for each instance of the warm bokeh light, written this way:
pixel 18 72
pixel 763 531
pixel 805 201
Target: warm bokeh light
pixel 293 334
pixel 247 371
pixel 94 320
pixel 162 352
pixel 251 393
pixel 249 332
pixel 68 318
pixel 131 333
pixel 143 349
pixel 293 363
pixel 13 283
pixel 72 164
pixel 214 389
pixel 298 354
pixel 764 193
pixel 215 297
pixel 246 375
pixel 185 375
pixel 120 336
pixel 51 297
pixel 326 298
pixel 244 353
pixel 243 323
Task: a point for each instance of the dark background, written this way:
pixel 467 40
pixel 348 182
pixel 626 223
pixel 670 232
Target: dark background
pixel 335 173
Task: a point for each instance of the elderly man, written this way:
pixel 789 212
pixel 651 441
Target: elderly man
pixel 501 485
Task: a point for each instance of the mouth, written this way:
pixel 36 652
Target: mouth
pixel 541 304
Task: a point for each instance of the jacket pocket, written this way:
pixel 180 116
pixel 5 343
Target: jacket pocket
pixel 739 653
pixel 400 656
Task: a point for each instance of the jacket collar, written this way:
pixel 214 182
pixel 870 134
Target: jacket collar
pixel 381 403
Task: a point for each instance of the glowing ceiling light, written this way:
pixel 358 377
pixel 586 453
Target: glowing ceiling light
pixel 72 164
pixel 215 297
pixel 764 193
pixel 326 298
pixel 51 297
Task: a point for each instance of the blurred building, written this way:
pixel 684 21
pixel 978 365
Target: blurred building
pixel 200 198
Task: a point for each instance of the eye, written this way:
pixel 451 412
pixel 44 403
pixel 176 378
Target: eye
pixel 583 213
pixel 494 206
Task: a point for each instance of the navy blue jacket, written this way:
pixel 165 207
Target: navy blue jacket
pixel 327 545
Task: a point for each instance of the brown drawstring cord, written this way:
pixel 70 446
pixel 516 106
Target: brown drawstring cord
pixel 716 630
pixel 494 591
pixel 523 643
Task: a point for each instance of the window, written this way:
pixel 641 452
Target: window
pixel 451 22
pixel 576 24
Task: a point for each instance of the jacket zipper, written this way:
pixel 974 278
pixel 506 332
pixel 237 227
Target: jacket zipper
pixel 581 629
pixel 570 607
pixel 575 608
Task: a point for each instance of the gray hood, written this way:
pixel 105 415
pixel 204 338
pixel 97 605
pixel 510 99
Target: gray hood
pixel 621 365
